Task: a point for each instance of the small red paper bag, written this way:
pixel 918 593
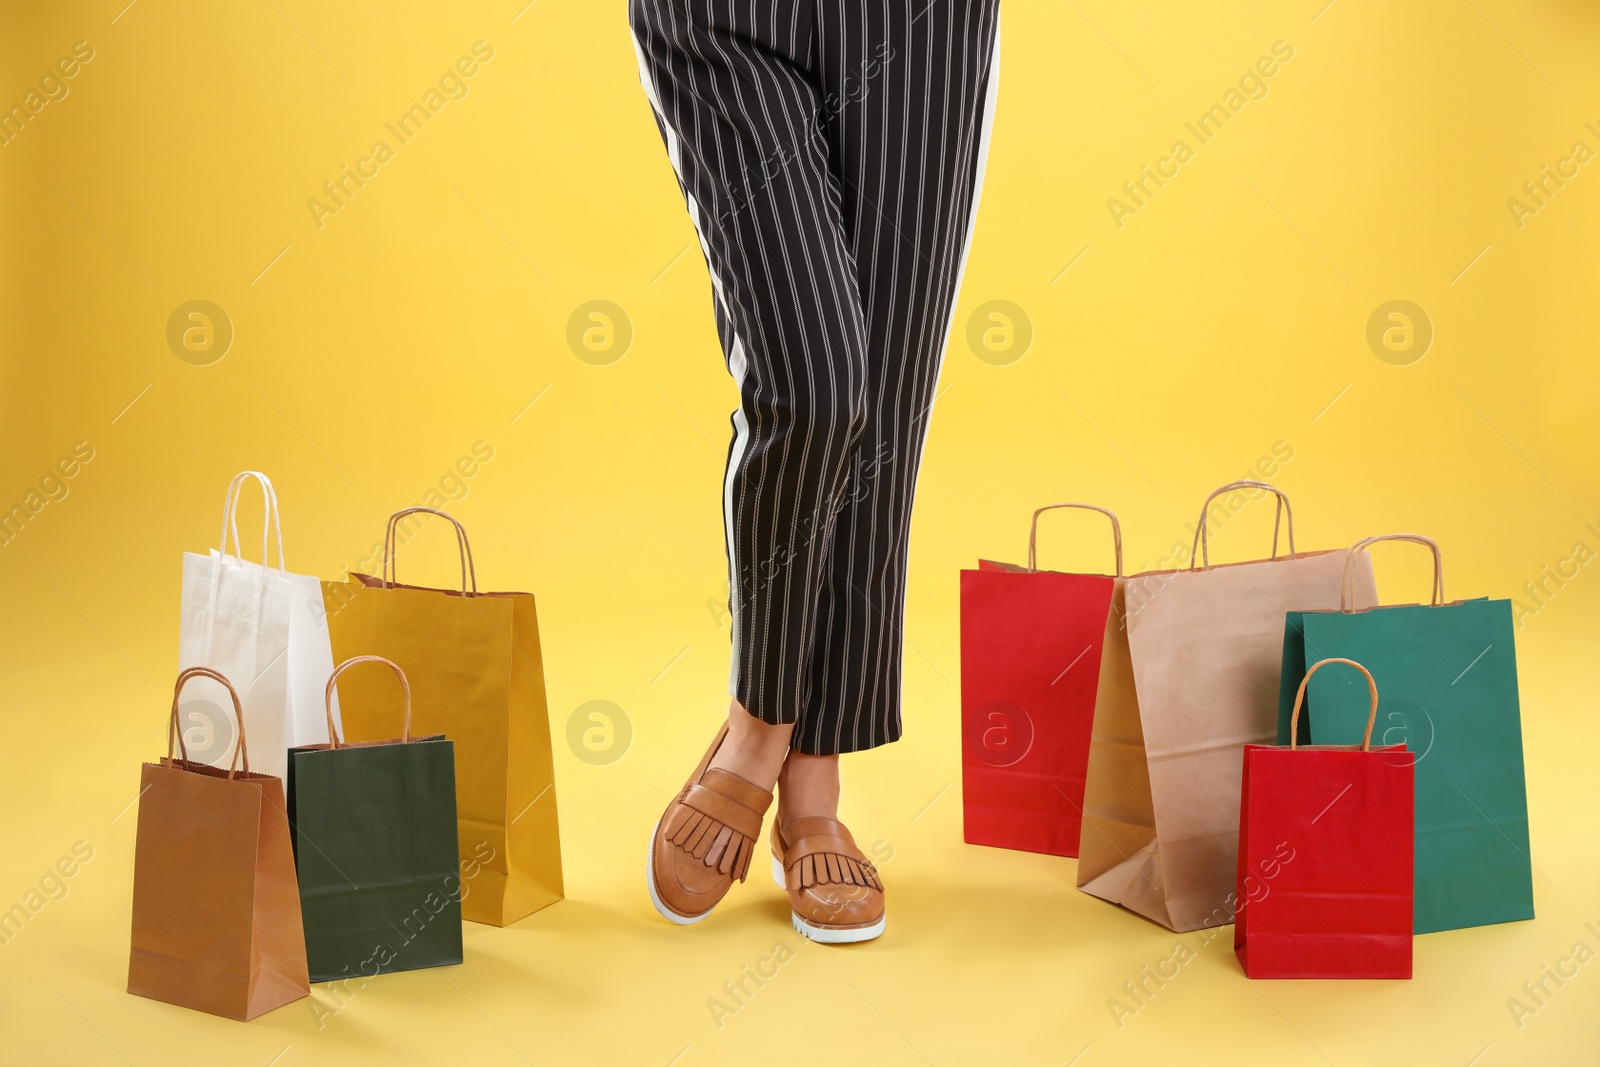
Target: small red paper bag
pixel 1030 664
pixel 1324 886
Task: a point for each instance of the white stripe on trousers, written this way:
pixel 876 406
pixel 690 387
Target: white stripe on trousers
pixel 831 155
pixel 736 364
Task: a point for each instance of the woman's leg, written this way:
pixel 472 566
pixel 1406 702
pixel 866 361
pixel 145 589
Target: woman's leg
pixel 790 127
pixel 754 749
pixel 907 91
pixel 737 105
pixel 908 94
pixel 808 785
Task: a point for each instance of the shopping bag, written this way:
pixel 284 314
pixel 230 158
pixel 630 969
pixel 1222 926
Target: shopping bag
pixel 474 664
pixel 1449 678
pixel 1324 880
pixel 216 915
pixel 374 830
pixel 263 628
pixel 1188 677
pixel 1030 664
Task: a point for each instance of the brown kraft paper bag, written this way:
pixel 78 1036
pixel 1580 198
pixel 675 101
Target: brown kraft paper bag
pixel 1189 676
pixel 216 906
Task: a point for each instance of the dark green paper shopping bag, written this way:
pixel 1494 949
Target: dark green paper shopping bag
pixel 1448 671
pixel 374 831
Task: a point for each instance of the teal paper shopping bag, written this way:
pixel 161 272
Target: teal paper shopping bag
pixel 1448 672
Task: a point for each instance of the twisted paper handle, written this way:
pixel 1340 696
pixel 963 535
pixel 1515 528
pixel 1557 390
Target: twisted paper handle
pixel 327 695
pixel 174 730
pixel 1281 512
pixel 390 577
pixel 1300 695
pixel 1033 532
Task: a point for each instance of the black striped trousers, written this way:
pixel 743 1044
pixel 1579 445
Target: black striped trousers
pixel 831 154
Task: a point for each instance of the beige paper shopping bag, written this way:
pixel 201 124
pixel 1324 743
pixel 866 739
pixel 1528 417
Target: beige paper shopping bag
pixel 1188 677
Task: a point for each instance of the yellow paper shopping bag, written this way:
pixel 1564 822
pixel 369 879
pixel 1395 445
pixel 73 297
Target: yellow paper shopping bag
pixel 476 673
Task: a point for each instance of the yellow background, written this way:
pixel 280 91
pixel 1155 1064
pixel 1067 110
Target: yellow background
pixel 371 353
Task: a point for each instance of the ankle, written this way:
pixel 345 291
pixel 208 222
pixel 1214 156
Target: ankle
pixel 808 786
pixel 800 809
pixel 754 750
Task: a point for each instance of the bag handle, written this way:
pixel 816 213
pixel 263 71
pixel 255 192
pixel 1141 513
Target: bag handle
pixel 175 730
pixel 1300 695
pixel 269 509
pixel 1033 532
pixel 1346 598
pixel 389 571
pixel 1280 512
pixel 327 696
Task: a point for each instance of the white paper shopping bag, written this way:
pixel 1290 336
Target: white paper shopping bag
pixel 262 627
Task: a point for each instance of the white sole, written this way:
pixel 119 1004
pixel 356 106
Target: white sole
pixel 655 899
pixel 832 935
pixel 823 935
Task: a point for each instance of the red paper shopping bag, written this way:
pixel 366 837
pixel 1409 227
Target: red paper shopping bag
pixel 1325 856
pixel 1030 662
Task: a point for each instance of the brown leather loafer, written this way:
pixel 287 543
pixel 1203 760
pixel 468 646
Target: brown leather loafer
pixel 705 840
pixel 835 894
